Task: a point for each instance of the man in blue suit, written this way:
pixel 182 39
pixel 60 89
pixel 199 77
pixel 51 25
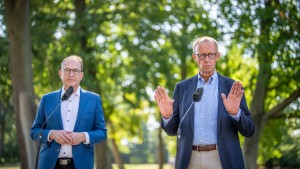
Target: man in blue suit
pixel 209 132
pixel 71 131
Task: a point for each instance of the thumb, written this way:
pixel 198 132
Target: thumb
pixel 170 102
pixel 223 97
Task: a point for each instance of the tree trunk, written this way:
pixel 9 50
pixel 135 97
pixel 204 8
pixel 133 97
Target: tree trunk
pixel 2 127
pixel 103 154
pixel 18 27
pixel 160 149
pixel 251 148
pixel 116 154
pixel 257 110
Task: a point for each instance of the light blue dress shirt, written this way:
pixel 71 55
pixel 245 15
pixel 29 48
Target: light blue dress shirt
pixel 206 112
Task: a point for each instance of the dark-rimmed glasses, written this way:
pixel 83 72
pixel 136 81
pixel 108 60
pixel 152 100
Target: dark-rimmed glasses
pixel 68 71
pixel 202 56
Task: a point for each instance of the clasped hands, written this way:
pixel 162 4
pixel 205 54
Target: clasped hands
pixel 67 137
pixel 231 103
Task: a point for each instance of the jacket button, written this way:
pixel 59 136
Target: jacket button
pixel 58 149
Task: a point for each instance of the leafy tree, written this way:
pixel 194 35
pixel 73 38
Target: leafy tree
pixel 16 14
pixel 268 32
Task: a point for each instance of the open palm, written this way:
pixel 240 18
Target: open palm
pixel 233 100
pixel 165 104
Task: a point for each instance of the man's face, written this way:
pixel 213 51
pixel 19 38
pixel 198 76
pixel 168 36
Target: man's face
pixel 71 74
pixel 206 57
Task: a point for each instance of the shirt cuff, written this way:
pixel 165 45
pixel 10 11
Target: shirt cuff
pixel 87 138
pixel 48 138
pixel 237 116
pixel 166 120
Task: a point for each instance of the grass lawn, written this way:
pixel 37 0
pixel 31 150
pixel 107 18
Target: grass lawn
pixel 143 166
pixel 127 166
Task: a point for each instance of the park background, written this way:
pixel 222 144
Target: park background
pixel 129 48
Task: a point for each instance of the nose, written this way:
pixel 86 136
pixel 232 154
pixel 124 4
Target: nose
pixel 206 58
pixel 71 73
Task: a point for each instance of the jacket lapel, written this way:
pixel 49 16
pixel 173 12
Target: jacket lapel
pixel 222 88
pixel 191 88
pixel 82 104
pixel 58 114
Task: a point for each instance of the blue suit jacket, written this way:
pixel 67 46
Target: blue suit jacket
pixel 227 129
pixel 90 119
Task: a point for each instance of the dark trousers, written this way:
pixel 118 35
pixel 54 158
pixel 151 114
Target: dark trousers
pixel 64 164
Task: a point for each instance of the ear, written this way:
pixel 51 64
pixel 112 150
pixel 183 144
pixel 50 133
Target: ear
pixel 218 55
pixel 82 75
pixel 194 57
pixel 60 73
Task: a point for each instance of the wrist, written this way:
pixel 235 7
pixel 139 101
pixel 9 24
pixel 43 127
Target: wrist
pixel 167 116
pixel 83 137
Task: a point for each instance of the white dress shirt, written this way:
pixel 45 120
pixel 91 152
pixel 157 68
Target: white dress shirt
pixel 69 111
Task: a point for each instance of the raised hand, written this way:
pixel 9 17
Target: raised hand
pixel 233 100
pixel 165 104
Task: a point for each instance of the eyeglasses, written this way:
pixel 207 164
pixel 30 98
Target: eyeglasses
pixel 202 56
pixel 68 71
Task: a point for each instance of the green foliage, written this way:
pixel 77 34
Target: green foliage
pixel 281 143
pixel 8 136
pixel 145 151
pixel 130 47
pixel 266 31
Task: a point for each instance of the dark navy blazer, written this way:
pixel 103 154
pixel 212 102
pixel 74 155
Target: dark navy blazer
pixel 90 119
pixel 227 130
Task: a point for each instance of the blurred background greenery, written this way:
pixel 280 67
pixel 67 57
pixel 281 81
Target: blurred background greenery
pixel 129 48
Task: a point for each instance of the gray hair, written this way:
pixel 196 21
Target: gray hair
pixel 205 39
pixel 75 57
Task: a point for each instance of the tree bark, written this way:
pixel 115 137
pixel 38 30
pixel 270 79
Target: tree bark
pixel 18 27
pixel 160 149
pixel 257 110
pixel 2 127
pixel 103 154
pixel 116 154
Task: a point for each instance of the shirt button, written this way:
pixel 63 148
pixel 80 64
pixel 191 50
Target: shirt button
pixel 68 110
pixel 67 120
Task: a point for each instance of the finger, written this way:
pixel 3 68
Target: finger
pixel 239 85
pixel 156 98
pixel 241 94
pixel 157 94
pixel 236 88
pixel 223 97
pixel 59 141
pixel 240 88
pixel 66 137
pixel 232 88
pixel 162 92
pixel 170 102
pixel 68 132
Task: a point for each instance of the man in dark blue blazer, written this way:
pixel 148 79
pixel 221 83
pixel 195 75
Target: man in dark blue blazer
pixel 209 128
pixel 71 131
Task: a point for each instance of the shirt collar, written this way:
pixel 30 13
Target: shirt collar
pixel 77 93
pixel 211 80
